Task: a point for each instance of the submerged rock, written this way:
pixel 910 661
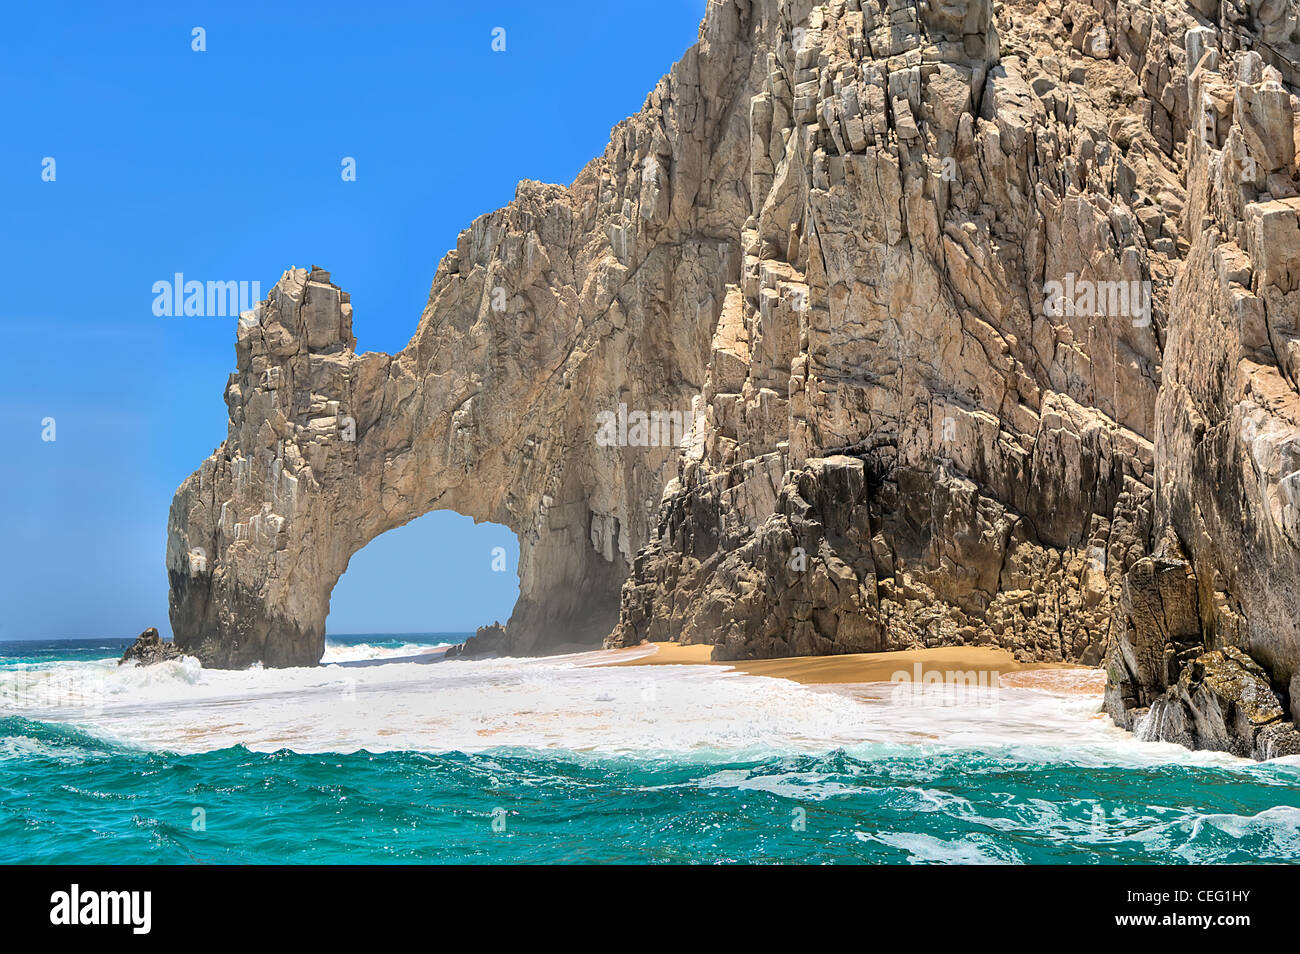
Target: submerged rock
pixel 486 641
pixel 1222 702
pixel 150 648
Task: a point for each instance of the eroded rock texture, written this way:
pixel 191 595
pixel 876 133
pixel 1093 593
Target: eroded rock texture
pixel 1228 435
pixel 903 448
pixel 567 303
pixel 983 317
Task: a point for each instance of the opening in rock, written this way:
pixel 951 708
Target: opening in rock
pixel 439 574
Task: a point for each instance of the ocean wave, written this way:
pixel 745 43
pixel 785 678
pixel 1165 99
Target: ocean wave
pixel 31 740
pixel 355 652
pixel 899 803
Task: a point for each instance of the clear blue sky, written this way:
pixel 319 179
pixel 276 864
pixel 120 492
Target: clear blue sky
pixel 225 165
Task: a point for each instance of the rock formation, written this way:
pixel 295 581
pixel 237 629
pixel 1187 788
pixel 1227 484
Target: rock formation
pixel 906 447
pixel 964 322
pixel 150 648
pixel 1224 580
pixel 486 641
pixel 567 307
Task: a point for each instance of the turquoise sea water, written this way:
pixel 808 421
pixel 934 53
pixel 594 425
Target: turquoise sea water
pixel 76 794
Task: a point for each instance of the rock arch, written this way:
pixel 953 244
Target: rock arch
pixel 565 303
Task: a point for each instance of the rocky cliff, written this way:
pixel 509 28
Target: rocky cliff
pixel 1206 647
pixel 883 324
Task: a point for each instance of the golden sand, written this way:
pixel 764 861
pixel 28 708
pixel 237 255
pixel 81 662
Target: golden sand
pixel 855 667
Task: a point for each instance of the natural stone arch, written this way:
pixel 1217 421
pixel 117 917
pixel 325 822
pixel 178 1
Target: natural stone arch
pixel 566 303
pixel 487 412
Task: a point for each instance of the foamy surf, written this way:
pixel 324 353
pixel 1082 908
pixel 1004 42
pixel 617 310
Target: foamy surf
pixel 405 698
pixel 358 652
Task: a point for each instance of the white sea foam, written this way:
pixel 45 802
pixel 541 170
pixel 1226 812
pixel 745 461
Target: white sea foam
pixel 399 699
pixel 353 652
pixel 922 849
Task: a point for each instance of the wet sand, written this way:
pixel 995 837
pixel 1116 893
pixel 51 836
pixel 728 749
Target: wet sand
pixel 853 668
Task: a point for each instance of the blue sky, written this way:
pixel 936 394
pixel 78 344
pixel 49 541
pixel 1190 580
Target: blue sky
pixel 225 165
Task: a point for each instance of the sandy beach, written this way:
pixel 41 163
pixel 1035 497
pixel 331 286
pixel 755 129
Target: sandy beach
pixel 852 668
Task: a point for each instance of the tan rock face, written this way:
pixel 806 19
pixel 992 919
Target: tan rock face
pixel 927 447
pixel 1228 424
pixel 976 327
